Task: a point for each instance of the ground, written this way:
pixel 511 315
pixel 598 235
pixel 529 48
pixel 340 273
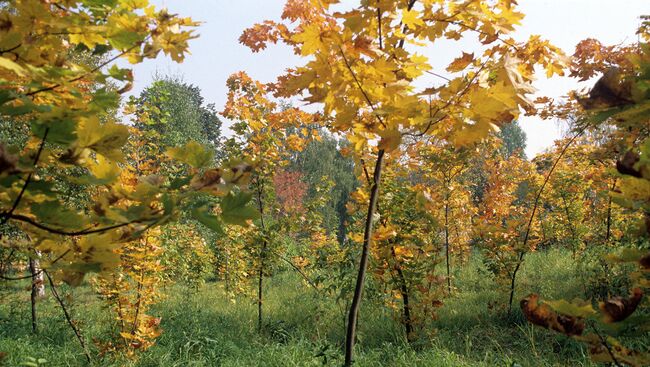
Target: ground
pixel 203 328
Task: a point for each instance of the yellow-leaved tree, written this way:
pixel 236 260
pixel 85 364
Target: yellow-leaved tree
pixel 364 64
pixel 66 107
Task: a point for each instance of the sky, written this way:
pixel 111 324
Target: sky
pixel 216 54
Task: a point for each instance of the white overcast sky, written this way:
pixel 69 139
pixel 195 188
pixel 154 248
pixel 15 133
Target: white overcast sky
pixel 217 53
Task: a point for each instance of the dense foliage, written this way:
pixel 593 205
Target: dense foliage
pixel 378 198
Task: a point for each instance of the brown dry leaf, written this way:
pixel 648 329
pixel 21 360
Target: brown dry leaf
pixel 625 165
pixel 8 161
pixel 609 91
pixel 618 308
pixel 645 262
pixel 544 316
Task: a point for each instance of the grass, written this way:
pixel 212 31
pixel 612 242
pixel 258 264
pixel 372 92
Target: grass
pixel 203 328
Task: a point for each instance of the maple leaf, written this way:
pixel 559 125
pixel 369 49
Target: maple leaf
pixel 460 63
pixel 411 18
pixel 542 315
pixel 618 308
pixel 309 38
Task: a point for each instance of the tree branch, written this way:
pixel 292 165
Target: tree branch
pixel 67 316
pixel 22 218
pixel 7 215
pixel 92 71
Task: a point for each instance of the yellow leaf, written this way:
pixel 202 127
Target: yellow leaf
pixel 5 63
pixel 403 251
pixel 384 233
pixel 390 139
pixel 295 143
pixel 105 139
pixel 410 18
pixel 105 170
pixel 310 38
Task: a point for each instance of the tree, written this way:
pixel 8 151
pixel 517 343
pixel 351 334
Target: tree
pixel 505 227
pixel 266 135
pixel 360 70
pixel 514 140
pixel 323 159
pixel 447 198
pixel 176 111
pixel 619 100
pixel 172 112
pixel 67 107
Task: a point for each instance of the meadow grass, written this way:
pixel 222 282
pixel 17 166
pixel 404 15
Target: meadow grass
pixel 203 328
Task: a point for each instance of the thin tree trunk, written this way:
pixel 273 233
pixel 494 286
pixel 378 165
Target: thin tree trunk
pixel 609 220
pixel 38 287
pixel 574 237
pixel 32 269
pixel 260 288
pixel 406 307
pixel 447 245
pixel 520 260
pixel 260 285
pixel 363 263
pixel 76 331
pixel 227 278
pixel 40 280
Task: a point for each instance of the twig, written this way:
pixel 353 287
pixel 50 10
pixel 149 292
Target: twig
pixel 22 218
pixel 606 345
pixel 438 75
pixel 448 103
pixel 532 215
pixel 6 215
pixel 92 71
pixel 297 269
pixel 358 83
pixel 365 171
pixel 39 272
pixel 67 316
pixel 11 49
pixel 463 25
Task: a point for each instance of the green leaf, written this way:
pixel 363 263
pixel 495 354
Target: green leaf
pixel 124 39
pixel 179 182
pixel 207 219
pixel 61 131
pixel 105 139
pixel 54 213
pixel 104 99
pixel 94 267
pixel 626 255
pixel 5 63
pixel 16 110
pixel 577 308
pixel 192 153
pixel 119 73
pixel 104 172
pixel 234 208
pixel 6 96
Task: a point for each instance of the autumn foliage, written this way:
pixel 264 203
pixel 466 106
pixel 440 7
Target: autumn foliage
pixel 93 191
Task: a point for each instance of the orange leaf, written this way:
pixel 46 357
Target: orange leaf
pixel 544 316
pixel 460 63
pixel 618 308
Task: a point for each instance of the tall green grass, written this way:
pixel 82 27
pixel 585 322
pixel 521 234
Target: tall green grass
pixel 303 328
